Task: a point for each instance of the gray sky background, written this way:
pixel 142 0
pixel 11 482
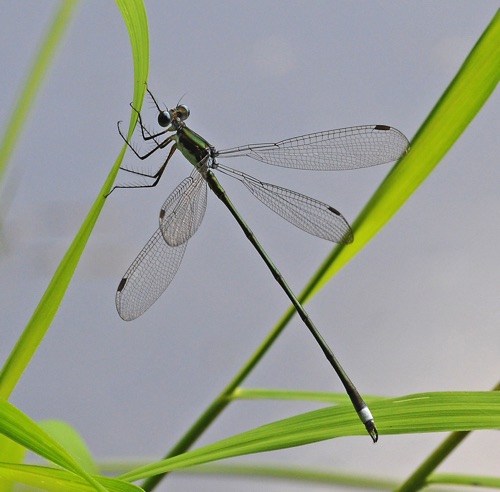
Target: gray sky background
pixel 417 310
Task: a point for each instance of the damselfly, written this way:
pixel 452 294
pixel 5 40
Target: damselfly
pixel 182 213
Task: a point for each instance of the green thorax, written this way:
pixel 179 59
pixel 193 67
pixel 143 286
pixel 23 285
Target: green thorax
pixel 193 147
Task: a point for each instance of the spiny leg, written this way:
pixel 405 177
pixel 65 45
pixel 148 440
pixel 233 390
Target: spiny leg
pixel 149 136
pixel 153 99
pixel 160 145
pixel 157 176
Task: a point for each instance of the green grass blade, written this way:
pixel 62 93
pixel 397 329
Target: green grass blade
pixel 457 107
pixel 425 412
pixel 135 18
pixel 34 80
pixel 21 429
pixel 56 480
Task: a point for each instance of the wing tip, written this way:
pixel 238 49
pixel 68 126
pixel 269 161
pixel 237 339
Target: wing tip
pixel 348 237
pixel 122 284
pixel 124 314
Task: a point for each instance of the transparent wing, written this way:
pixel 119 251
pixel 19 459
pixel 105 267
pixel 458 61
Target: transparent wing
pixel 306 213
pixel 333 150
pixel 148 276
pixel 184 209
pixel 156 265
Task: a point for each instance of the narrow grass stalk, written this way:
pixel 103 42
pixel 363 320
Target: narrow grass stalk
pixel 417 479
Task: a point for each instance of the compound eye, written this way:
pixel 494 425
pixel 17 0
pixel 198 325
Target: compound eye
pixel 182 112
pixel 164 119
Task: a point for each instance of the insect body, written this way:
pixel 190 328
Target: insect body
pixel 183 211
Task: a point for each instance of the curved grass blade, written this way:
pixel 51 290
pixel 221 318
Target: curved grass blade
pixel 135 17
pixel 424 412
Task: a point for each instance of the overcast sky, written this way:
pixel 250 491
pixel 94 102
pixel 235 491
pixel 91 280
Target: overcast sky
pixel 417 310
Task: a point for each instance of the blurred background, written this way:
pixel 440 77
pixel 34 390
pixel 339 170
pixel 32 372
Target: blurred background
pixel 417 310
